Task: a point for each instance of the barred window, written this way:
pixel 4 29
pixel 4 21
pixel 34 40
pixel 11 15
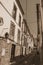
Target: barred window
pixel 14 11
pixel 12 29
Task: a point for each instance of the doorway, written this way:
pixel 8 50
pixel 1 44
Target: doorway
pixel 12 52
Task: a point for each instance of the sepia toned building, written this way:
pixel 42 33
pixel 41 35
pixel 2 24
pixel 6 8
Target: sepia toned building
pixel 24 36
pixel 40 30
pixel 14 32
pixel 10 27
pixel 41 7
pixel 27 39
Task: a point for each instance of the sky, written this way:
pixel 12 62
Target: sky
pixel 31 14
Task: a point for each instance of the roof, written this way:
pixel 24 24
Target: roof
pixel 18 3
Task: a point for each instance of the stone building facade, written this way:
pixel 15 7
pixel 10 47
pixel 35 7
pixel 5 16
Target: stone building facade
pixel 11 31
pixel 41 10
pixel 27 38
pixel 39 30
pixel 10 23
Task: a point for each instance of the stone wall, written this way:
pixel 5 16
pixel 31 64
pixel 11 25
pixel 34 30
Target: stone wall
pixel 5 52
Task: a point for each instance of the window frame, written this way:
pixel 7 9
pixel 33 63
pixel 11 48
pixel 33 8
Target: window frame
pixel 14 12
pixel 19 20
pixel 18 37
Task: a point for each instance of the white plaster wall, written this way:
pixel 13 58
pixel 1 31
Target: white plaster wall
pixel 6 19
pixel 17 51
pixel 9 6
pixel 41 13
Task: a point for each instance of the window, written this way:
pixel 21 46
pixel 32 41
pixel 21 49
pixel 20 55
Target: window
pixel 19 20
pixel 38 16
pixel 14 11
pixel 12 30
pixel 1 21
pixel 12 52
pixel 25 41
pixel 18 36
pixel 22 26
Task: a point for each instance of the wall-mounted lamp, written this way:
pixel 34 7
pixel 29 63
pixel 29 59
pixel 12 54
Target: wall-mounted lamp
pixel 7 36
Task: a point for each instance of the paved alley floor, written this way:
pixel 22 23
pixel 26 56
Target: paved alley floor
pixel 31 59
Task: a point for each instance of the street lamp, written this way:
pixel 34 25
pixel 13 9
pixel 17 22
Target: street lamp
pixel 6 37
